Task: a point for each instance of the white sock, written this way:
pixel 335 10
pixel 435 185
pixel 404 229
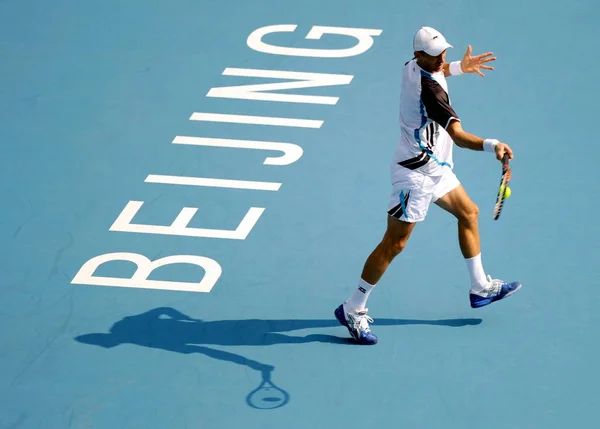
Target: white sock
pixel 478 280
pixel 358 300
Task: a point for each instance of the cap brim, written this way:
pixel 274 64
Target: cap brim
pixel 434 51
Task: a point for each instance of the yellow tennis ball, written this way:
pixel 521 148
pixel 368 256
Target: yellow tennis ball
pixel 506 191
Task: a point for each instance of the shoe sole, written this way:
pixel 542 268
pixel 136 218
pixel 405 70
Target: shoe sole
pixel 486 303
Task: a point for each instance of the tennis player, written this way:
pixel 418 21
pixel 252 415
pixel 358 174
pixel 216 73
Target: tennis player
pixel 421 174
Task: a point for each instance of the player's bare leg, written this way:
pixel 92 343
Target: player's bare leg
pixel 484 289
pixel 353 313
pixel 392 244
pixel 458 203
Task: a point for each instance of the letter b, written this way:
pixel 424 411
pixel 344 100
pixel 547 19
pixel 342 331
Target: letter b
pixel 144 267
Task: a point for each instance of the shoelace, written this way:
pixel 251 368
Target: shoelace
pixel 361 321
pixel 495 285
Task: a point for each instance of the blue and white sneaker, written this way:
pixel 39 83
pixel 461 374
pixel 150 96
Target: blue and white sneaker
pixel 357 323
pixel 497 290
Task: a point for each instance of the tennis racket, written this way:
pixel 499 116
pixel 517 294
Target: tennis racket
pixel 504 180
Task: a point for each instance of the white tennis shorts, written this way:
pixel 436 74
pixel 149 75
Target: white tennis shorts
pixel 413 193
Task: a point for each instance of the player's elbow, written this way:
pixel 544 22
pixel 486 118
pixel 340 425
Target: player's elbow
pixel 454 128
pixel 456 132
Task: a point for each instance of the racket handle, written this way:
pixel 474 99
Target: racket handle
pixel 505 159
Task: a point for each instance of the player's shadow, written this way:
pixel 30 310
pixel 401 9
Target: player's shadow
pixel 168 329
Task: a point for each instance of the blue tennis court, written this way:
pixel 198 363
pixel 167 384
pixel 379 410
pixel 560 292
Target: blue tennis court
pixel 174 246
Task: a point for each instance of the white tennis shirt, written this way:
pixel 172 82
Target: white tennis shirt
pixel 425 112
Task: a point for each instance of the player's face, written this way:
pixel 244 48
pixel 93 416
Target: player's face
pixel 430 63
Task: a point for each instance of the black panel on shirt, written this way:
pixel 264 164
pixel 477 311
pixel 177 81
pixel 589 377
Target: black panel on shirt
pixel 436 102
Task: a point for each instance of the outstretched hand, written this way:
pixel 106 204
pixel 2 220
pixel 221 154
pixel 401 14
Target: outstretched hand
pixel 474 64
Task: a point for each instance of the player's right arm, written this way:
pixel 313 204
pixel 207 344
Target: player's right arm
pixel 437 104
pixel 470 141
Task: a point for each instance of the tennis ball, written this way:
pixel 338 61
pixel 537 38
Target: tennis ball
pixel 507 191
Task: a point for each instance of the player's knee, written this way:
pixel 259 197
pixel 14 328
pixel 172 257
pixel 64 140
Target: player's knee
pixel 471 213
pixel 395 245
pixel 400 245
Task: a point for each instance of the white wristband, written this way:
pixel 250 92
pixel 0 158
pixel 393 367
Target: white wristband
pixel 455 68
pixel 489 145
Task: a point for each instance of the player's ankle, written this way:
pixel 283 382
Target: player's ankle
pixel 478 287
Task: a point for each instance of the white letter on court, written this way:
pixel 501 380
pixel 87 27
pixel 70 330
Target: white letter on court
pixel 179 225
pixel 145 267
pixel 291 152
pixel 364 36
pixel 255 120
pixel 302 80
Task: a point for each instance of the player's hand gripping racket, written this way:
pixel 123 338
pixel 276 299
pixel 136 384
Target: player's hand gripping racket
pixel 503 190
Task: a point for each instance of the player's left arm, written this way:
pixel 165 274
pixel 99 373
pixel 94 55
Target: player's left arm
pixel 447 70
pixel 472 64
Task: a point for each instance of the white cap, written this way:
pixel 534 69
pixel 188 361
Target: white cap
pixel 431 41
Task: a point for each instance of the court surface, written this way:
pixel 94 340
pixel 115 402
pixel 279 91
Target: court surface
pixel 109 121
